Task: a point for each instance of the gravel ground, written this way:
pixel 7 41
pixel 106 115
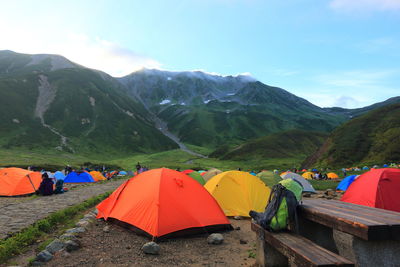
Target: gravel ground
pixel 122 247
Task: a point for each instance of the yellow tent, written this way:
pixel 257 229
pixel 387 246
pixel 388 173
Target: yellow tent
pixel 332 175
pixel 97 176
pixel 238 192
pixel 308 175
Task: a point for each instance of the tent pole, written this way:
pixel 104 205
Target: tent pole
pixel 31 182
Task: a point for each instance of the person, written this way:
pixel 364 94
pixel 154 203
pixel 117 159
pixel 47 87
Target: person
pixel 138 167
pixel 317 176
pixel 344 172
pixel 46 186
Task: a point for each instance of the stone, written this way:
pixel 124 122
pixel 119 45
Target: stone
pixel 242 241
pixel 71 245
pixel 329 192
pixel 95 211
pixel 55 246
pixel 106 229
pixel 237 228
pixel 75 230
pixel 44 256
pixel 36 263
pixel 89 216
pixel 82 223
pixel 306 194
pixel 151 248
pixel 215 239
pixel 67 236
pixel 237 218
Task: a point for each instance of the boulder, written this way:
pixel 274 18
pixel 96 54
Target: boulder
pixel 151 248
pixel 71 245
pixel 215 239
pixel 106 229
pixel 82 223
pixel 237 217
pixel 55 246
pixel 44 256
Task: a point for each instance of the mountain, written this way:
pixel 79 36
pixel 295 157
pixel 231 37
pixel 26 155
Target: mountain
pixel 49 101
pixel 372 138
pixel 287 144
pixel 211 110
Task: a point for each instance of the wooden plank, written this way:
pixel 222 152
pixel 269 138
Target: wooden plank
pixel 300 250
pixel 389 217
pixel 349 222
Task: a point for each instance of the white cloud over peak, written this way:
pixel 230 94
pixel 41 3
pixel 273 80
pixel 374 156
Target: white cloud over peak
pixel 364 5
pixel 88 51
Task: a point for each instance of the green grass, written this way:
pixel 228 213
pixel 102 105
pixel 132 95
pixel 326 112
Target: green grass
pixel 324 184
pixel 18 243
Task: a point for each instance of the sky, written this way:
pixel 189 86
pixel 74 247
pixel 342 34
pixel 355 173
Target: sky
pixel 331 52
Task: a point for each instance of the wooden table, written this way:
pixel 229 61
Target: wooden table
pixel 368 236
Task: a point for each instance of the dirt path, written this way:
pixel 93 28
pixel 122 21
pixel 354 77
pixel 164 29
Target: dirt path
pixel 18 213
pixel 122 247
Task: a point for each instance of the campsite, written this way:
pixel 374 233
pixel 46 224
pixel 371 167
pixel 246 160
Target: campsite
pixel 215 133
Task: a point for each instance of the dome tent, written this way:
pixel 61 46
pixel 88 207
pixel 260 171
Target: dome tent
pixel 269 178
pixel 211 173
pixel 377 188
pixel 17 181
pixel 346 182
pixel 79 177
pixel 238 192
pixel 97 176
pixel 161 202
pixel 307 187
pixel 197 176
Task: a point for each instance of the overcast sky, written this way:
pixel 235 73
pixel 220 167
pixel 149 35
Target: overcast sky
pixel 331 52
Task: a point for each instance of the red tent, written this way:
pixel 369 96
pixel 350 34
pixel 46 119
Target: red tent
pixel 187 171
pixel 379 188
pixel 163 201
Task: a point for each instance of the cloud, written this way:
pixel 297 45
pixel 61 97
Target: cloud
pixel 364 5
pixel 92 52
pixel 346 102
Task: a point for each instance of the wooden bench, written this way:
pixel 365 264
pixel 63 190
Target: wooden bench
pixel 294 250
pixel 367 236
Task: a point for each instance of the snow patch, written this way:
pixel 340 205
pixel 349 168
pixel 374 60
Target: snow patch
pixel 15 120
pixel 206 101
pixel 85 120
pixel 230 94
pixel 92 101
pixel 169 78
pixel 183 104
pixel 165 101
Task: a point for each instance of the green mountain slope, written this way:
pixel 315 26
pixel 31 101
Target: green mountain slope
pixel 372 138
pixel 288 144
pixel 48 101
pixel 209 110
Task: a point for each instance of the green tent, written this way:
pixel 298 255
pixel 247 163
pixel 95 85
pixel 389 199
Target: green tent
pixel 197 176
pixel 269 178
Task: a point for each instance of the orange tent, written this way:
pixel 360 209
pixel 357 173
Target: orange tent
pixel 163 201
pixel 97 176
pixel 332 175
pixel 16 181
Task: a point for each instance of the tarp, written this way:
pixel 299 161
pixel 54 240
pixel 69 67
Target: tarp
pixel 269 178
pixel 211 173
pixel 82 177
pixel 197 176
pixel 238 192
pixel 16 181
pixel 308 175
pixel 97 176
pixel 307 187
pixel 346 182
pixel 162 201
pixel 377 188
pixel 332 175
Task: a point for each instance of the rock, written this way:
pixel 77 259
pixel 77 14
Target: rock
pixel 36 263
pixel 237 228
pixel 82 223
pixel 128 247
pixel 44 256
pixel 75 230
pixel 71 245
pixel 242 241
pixel 66 254
pixel 329 192
pixel 55 246
pixel 307 195
pixel 329 197
pixel 215 239
pixel 237 218
pixel 151 248
pixel 95 212
pixel 68 236
pixel 89 216
pixel 321 196
pixel 106 229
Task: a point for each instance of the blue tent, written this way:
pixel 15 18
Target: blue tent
pixel 346 182
pixel 365 168
pixel 385 165
pixel 82 177
pixel 314 170
pixel 59 175
pixel 123 173
pixel 252 173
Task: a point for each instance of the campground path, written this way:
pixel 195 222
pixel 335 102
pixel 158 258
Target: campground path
pixel 19 214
